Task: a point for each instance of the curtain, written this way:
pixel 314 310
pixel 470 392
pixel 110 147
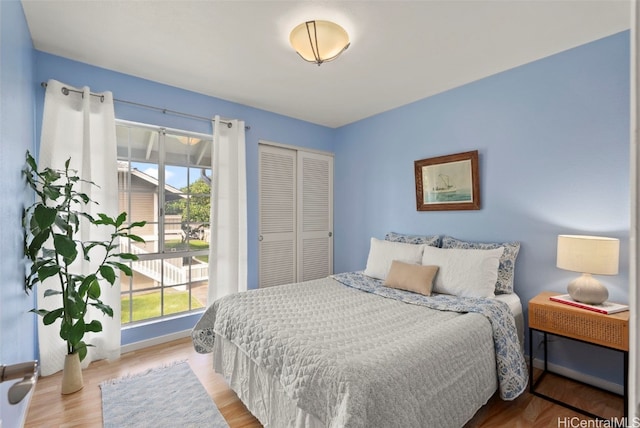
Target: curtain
pixel 634 235
pixel 81 127
pixel 228 247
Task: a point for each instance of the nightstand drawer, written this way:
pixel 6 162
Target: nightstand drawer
pixel 608 330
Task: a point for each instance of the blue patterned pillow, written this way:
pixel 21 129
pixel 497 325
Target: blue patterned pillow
pixel 506 269
pixel 432 241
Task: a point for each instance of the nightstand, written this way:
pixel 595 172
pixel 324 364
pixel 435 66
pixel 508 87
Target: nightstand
pixel 607 331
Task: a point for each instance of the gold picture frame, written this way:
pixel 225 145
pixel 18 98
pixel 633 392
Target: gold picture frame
pixel 448 182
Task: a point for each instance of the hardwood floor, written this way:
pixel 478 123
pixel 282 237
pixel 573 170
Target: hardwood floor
pixel 84 408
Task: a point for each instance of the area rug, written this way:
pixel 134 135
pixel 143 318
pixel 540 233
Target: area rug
pixel 170 396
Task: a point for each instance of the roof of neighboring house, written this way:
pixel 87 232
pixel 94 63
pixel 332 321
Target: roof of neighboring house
pixel 123 166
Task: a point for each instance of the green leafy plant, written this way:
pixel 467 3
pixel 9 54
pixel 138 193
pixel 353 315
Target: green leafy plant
pixel 50 245
pixel 199 202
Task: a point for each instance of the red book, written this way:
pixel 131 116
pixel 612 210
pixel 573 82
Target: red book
pixel 603 308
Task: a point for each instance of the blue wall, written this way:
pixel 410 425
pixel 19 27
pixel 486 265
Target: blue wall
pixel 553 142
pixel 17 326
pixel 264 126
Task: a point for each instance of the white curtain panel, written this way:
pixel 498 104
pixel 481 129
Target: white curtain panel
pixel 81 127
pixel 634 235
pixel 228 247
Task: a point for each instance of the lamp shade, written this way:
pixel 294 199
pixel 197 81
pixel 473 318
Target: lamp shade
pixel 319 41
pixel 588 254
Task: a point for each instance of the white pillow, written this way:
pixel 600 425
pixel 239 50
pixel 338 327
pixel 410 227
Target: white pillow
pixel 464 272
pixel 382 253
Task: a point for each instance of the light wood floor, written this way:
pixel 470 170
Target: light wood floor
pixel 84 408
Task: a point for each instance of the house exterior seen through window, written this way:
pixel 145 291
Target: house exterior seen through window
pixel 164 178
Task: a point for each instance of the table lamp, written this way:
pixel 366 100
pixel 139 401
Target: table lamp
pixel 588 255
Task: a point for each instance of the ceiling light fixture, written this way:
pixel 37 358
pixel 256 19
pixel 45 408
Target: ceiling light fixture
pixel 187 141
pixel 319 41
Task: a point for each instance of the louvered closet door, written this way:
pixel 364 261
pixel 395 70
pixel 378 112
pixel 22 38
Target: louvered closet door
pixel 315 216
pixel 277 218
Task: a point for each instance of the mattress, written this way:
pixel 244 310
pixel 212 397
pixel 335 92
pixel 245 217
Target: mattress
pixel 378 360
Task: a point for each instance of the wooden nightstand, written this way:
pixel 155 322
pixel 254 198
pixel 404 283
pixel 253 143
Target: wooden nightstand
pixel 608 331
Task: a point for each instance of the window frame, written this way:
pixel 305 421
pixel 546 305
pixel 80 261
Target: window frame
pixel 159 209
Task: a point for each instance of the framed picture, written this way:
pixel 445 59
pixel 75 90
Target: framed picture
pixel 448 182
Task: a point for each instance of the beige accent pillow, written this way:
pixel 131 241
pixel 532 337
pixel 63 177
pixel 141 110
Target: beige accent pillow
pixel 410 277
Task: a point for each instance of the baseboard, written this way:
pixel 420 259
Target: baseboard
pixel 582 377
pixel 154 341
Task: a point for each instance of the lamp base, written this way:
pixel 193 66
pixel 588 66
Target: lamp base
pixel 587 289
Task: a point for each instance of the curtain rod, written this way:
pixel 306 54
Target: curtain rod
pixel 66 91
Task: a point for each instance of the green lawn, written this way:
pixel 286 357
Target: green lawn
pixel 147 305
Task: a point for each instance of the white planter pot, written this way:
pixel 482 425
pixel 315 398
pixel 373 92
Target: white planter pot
pixel 72 374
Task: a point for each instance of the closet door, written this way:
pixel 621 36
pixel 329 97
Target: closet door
pixel 277 216
pixel 315 215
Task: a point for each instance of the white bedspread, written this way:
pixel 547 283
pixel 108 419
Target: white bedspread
pixel 355 359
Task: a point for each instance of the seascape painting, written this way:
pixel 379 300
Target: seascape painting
pixel 448 182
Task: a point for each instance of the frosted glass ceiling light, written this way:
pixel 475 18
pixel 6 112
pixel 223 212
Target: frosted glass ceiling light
pixel 319 41
pixel 187 141
pixel 588 255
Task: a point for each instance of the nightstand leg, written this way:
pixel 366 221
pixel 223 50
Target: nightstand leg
pixel 626 385
pixel 545 352
pixel 531 360
pixel 532 384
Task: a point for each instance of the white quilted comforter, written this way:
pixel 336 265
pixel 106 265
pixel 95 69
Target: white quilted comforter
pixel 356 359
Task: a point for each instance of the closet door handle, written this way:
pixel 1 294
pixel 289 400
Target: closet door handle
pixel 330 234
pixel 260 238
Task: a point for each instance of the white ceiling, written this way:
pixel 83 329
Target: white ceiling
pixel 401 51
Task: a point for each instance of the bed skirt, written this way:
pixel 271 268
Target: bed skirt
pixel 264 395
pixel 260 392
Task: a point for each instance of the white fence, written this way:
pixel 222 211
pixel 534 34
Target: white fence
pixel 173 274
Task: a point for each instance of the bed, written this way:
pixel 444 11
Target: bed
pixel 351 351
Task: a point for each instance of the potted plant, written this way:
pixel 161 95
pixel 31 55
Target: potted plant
pixel 51 247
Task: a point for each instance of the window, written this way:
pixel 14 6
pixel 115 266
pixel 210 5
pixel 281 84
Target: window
pixel 164 178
